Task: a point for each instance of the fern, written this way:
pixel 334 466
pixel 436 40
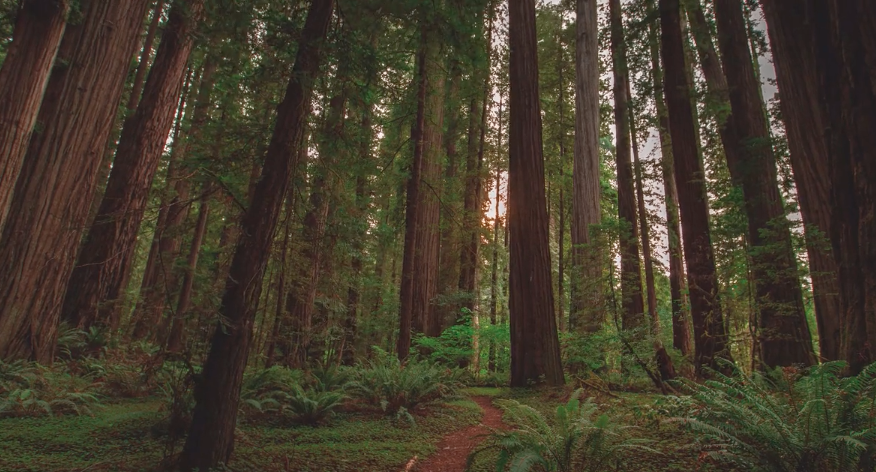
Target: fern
pixel 575 439
pixel 818 422
pixel 393 385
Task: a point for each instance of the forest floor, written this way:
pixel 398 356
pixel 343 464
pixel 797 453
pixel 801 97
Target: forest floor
pixel 131 435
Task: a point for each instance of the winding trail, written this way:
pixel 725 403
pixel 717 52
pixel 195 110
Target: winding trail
pixel 454 449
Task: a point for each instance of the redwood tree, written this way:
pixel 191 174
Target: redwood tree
pixel 211 438
pixel 39 26
pixel 586 312
pixel 710 336
pixel 54 191
pixel 105 259
pixel 535 349
pixel 633 307
pixel 793 52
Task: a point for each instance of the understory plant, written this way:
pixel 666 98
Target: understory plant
pixel 577 438
pixel 394 385
pixel 819 421
pixel 29 389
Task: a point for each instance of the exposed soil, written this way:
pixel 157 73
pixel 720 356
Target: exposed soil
pixel 454 449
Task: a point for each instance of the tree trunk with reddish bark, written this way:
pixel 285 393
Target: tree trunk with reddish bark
pixel 57 181
pixel 633 314
pixel 535 348
pixel 176 338
pixel 710 336
pixel 586 313
pixel 39 26
pixel 793 52
pixel 782 330
pixel 217 393
pixel 419 282
pixel 104 263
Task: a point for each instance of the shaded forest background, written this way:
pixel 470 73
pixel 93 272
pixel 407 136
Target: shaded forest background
pixel 527 190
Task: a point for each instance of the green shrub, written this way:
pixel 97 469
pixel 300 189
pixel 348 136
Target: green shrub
pixel 28 389
pixel 311 406
pixel 819 422
pixel 576 439
pixel 392 385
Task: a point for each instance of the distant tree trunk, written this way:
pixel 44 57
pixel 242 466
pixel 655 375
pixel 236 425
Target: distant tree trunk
pixel 644 231
pixel 494 276
pixel 843 48
pixel 561 232
pixel 680 324
pixel 451 238
pixel 43 228
pixel 586 313
pixel 161 279
pixel 782 329
pixel 420 263
pixel 176 339
pixel 39 26
pixel 710 336
pixel 104 262
pixel 474 192
pixel 793 52
pixel 143 65
pixel 535 348
pixel 631 270
pixel 217 393
pixel 280 307
pixel 304 287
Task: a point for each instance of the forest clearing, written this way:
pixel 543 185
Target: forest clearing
pixel 438 235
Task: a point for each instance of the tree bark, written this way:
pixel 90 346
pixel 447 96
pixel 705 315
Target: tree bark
pixel 793 52
pixel 680 324
pixel 710 336
pixel 39 26
pixel 535 349
pixel 161 278
pixel 419 283
pixel 143 65
pixel 54 190
pixel 842 37
pixel 494 275
pixel 104 262
pixel 304 287
pixel 633 315
pixel 783 331
pixel 586 313
pixel 217 393
pixel 176 339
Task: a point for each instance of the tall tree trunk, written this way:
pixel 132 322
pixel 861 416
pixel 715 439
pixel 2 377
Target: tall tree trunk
pixel 304 287
pixel 211 438
pixel 535 348
pixel 680 324
pixel 494 275
pixel 161 279
pixel 420 262
pixel 710 336
pixel 793 52
pixel 561 231
pixel 143 65
pixel 474 193
pixel 104 262
pixel 586 313
pixel 451 238
pixel 633 316
pixel 644 231
pixel 54 190
pixel 39 26
pixel 843 50
pixel 782 329
pixel 176 339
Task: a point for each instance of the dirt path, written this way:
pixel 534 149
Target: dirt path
pixel 453 450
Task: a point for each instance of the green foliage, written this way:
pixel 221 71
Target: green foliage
pixel 391 385
pixel 28 389
pixel 453 347
pixel 818 422
pixel 576 439
pixel 310 407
